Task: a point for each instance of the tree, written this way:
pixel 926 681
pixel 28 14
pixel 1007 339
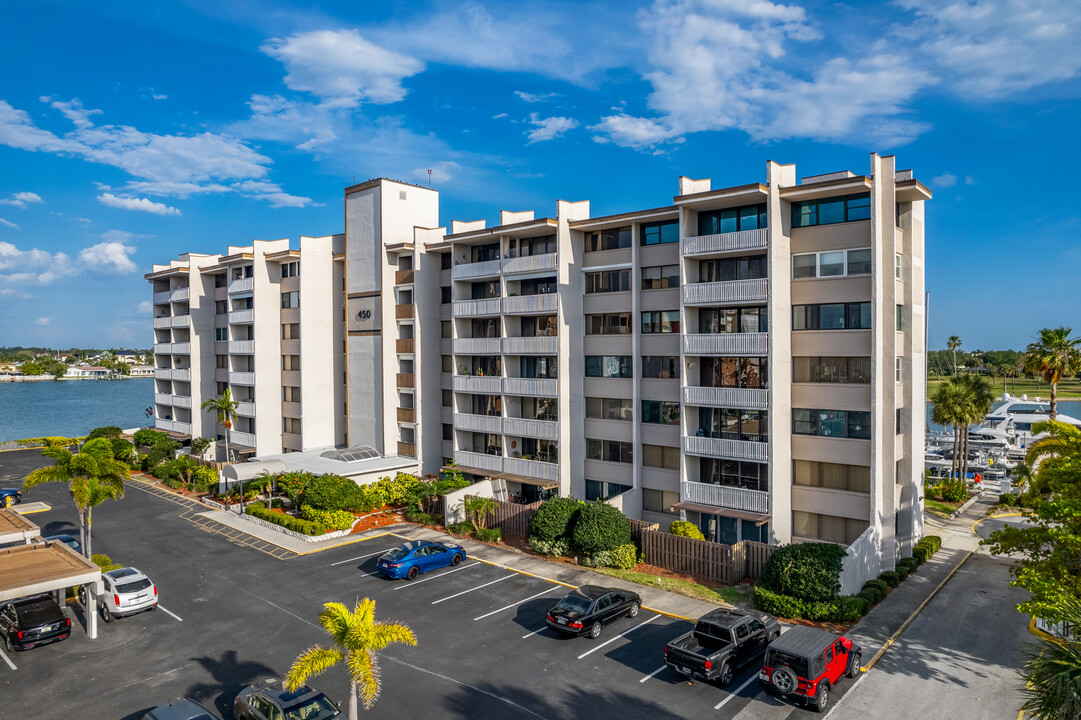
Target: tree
pixel 357 639
pixel 93 476
pixel 1053 356
pixel 959 402
pixel 199 447
pixel 1053 673
pixel 1058 440
pixel 953 344
pixel 32 367
pixel 978 398
pixel 948 411
pixel 225 407
pixel 478 509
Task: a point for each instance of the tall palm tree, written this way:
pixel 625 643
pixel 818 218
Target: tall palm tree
pixel 978 398
pixel 226 407
pixel 93 476
pixel 1053 356
pixel 948 411
pixel 952 344
pixel 1053 672
pixel 357 639
pixel 1059 438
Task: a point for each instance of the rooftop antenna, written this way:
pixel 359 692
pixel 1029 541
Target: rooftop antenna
pixel 429 178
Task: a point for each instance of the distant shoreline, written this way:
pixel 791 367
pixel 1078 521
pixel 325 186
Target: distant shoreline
pixel 47 378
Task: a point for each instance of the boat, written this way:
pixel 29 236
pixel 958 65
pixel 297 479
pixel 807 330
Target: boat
pixel 1016 416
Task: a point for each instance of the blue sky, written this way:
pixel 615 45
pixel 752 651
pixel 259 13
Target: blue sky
pixel 133 131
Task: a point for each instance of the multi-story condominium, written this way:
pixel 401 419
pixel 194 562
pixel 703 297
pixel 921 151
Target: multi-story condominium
pixel 748 358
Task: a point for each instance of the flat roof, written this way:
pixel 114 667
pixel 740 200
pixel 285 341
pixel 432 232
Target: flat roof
pixel 312 461
pixel 42 567
pixel 16 528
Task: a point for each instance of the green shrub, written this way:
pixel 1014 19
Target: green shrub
pixel 492 535
pixel 162 449
pixel 684 528
pixel 298 525
pixel 557 548
pixel 460 528
pixel 293 484
pixel 890 578
pixel 1008 499
pixel 600 527
pixel 871 595
pixel 277 503
pixel 415 515
pixel 909 564
pixel 555 518
pixel 331 492
pixel 330 519
pixel 109 431
pixel 921 553
pixel 955 491
pixel 850 608
pixel 203 478
pixel 148 436
pixel 902 571
pixel 174 484
pixel 934 541
pixel 880 588
pixel 845 609
pixel 624 557
pixel 809 571
pixel 104 562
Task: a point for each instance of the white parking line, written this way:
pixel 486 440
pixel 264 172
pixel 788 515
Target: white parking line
pixel 435 577
pixel 617 637
pixel 8 660
pixel 478 587
pixel 169 613
pixel 647 677
pixel 735 692
pixel 361 557
pixel 508 607
pixel 534 632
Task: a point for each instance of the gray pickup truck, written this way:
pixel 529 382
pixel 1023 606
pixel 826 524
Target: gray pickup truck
pixel 721 641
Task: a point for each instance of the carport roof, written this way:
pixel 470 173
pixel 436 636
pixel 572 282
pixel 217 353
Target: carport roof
pixel 16 528
pixel 43 567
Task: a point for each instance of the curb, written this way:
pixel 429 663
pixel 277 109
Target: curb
pixel 977 521
pixel 969 503
pixel 1040 633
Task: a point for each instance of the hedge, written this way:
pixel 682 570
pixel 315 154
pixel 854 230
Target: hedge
pixel 684 528
pixel 555 519
pixel 304 527
pixel 489 535
pixel 330 519
pixel 907 565
pixel 844 609
pixel 624 557
pixel 558 548
pixel 600 527
pixel 891 578
pixel 806 571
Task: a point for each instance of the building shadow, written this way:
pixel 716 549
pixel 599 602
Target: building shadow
pixel 515 702
pixel 230 676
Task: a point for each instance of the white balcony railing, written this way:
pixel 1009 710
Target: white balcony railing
pixel 477 269
pixel 183 348
pixel 729 449
pixel 528 304
pixel 530 263
pixel 731 291
pixel 180 295
pixel 245 409
pixel 242 317
pixel 241 285
pixel 242 378
pixel 531 468
pixel 488 385
pixel 531 345
pixel 726 344
pixel 491 463
pixel 723 496
pixel 163 348
pixel 163 322
pixel 241 347
pixel 525 427
pixel 160 298
pixel 242 439
pixel 174 425
pixel 181 321
pixel 725 242
pixel 163 399
pixel 181 401
pixel 478 423
pixel 531 387
pixel 476 308
pixel 477 346
pixel 747 398
pixel 182 374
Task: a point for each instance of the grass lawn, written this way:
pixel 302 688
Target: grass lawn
pixel 1022 386
pixel 725 595
pixel 936 507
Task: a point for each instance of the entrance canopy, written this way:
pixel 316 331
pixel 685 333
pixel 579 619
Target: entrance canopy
pixel 14 528
pixel 41 568
pixel 250 470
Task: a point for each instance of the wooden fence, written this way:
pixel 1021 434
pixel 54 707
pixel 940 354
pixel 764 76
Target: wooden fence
pixel 511 518
pixel 728 564
pixel 637 526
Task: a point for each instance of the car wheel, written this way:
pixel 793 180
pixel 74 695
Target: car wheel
pixel 784 680
pixel 9 501
pixel 82 596
pixel 456 560
pixel 822 697
pixel 633 612
pixel 8 644
pixel 857 663
pixel 595 630
pixel 106 615
pixel 725 678
pixel 413 573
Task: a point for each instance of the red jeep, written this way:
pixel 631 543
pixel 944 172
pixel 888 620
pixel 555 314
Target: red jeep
pixel 806 662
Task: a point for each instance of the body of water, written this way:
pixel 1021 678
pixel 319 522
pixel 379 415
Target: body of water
pixel 72 407
pixel 1065 407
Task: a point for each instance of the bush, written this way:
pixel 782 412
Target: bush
pixel 921 553
pixel 330 519
pixel 277 503
pixel 492 535
pixel 148 436
pixel 415 515
pixel 460 528
pixel 902 571
pixel 684 528
pixel 955 491
pixel 332 492
pixel 600 527
pixel 203 479
pixel 1008 499
pixel 908 565
pixel 163 448
pixel 878 586
pixel 871 595
pixel 109 431
pixel 890 578
pixel 293 484
pixel 104 562
pixel 934 541
pixel 298 525
pixel 555 519
pixel 624 557
pixel 845 609
pixel 808 571
pixel 557 548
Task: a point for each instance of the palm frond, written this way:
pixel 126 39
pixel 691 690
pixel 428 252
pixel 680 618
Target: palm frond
pixel 384 634
pixel 364 671
pixel 314 661
pixel 53 473
pixel 336 620
pixel 364 611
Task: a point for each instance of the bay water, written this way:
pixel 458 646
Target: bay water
pixel 73 408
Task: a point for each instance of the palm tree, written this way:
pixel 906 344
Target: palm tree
pixel 1059 438
pixel 479 508
pixel 952 344
pixel 357 640
pixel 226 407
pixel 1053 356
pixel 978 398
pixel 1053 672
pixel 948 411
pixel 93 476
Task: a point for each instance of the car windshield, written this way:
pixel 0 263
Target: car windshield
pixel 133 586
pixel 318 708
pixel 396 554
pixel 574 604
pixel 798 664
pixel 38 613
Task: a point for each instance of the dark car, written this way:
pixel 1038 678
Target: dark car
pixel 806 663
pixel 10 496
pixel 182 709
pixel 721 641
pixel 67 540
pixel 586 610
pixel 269 700
pixel 30 622
pixel 418 556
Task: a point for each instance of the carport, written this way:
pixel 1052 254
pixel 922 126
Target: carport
pixel 243 472
pixel 14 528
pixel 49 567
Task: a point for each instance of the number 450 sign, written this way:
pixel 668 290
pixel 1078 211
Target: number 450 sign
pixel 365 314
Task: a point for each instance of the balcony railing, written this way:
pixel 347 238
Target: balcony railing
pixel 404 346
pixel 174 425
pixel 180 295
pixel 241 285
pixel 478 423
pixel 163 322
pixel 160 298
pixel 747 398
pixel 729 449
pixel 731 291
pixel 182 374
pixel 491 463
pixel 407 415
pixel 530 263
pixel 163 399
pixel 245 409
pixel 476 308
pixel 407 449
pixel 484 384
pixel 181 321
pixel 725 242
pixel 242 439
pixel 726 344
pixel 242 347
pixel 181 401
pixel 163 348
pixel 405 380
pixel 476 270
pixel 531 468
pixel 404 312
pixel 531 345
pixel 526 427
pixel 723 496
pixel 242 378
pixel 183 348
pixel 530 386
pixel 477 346
pixel 242 317
pixel 403 277
pixel 526 304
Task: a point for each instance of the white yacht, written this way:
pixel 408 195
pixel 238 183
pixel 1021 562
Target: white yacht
pixel 1016 416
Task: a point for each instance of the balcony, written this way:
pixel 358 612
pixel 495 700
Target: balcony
pixel 477 346
pixel 732 291
pixel 404 312
pixel 245 409
pixel 532 387
pixel 728 449
pixel 160 298
pixel 723 496
pixel 181 321
pixel 529 304
pixel 291 410
pixel 476 308
pixel 242 378
pixel 403 277
pixel 242 439
pixel 180 295
pixel 242 317
pixel 405 380
pixel 491 463
pixel 183 348
pixel 163 398
pixel 242 347
pixel 746 398
pixel 725 242
pixel 241 285
pixel 174 425
pixel 531 345
pixel 482 384
pixel 407 415
pixel 163 322
pixel 163 349
pixel 467 271
pixel 526 427
pixel 726 344
pixel 531 468
pixel 478 423
pixel 181 401
pixel 407 449
pixel 404 346
pixel 530 263
pixel 182 374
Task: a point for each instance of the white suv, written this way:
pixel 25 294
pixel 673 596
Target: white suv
pixel 127 591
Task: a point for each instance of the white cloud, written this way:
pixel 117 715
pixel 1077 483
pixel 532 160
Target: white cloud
pixel 144 308
pixel 442 172
pixel 341 67
pixel 549 128
pixel 969 180
pixel 499 116
pixel 21 199
pixel 132 203
pixel 273 193
pixel 531 98
pixel 43 321
pixel 23 268
pixel 109 257
pixel 945 180
pixel 8 223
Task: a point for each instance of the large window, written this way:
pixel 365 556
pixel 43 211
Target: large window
pixel 486 328
pixel 662 412
pixel 608 324
pixel 539 286
pixel 834 263
pixel 659 501
pixel 609 366
pixel 608 281
pixel 482 366
pixel 659 233
pixel 831 370
pixel 544 367
pixel 833 476
pixel 747 475
pixel 660 366
pixel 610 239
pixel 832 316
pixel 484 253
pixel 660 277
pixel 831 210
pixel 660 456
pixel 488 443
pixel 290 269
pixel 660 321
pixel 539 326
pixel 540 408
pixel 731 372
pixel 598 490
pixel 748 217
pixel 290 299
pixel 827 527
pixel 733 424
pixel 832 423
pixel 484 289
pixel 733 320
pixel 609 450
pixel 531 246
pixel 745 268
pixel 609 409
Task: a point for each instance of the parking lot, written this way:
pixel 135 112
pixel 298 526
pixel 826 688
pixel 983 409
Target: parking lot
pixel 232 614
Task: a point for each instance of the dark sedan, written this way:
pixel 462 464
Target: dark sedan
pixel 586 610
pixel 269 699
pixel 31 622
pixel 10 496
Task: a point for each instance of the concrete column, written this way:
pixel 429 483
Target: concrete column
pixel 93 592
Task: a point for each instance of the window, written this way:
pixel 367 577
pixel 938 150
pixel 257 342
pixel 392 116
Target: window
pixel 660 321
pixel 609 450
pixel 660 277
pixel 659 233
pixel 483 365
pixel 900 319
pixel 609 366
pixel 539 286
pixel 290 331
pixel 662 412
pixel 486 328
pixel 221 334
pixel 221 361
pixel 540 409
pixel 734 473
pixel 833 476
pixel 827 527
pixel 219 307
pixel 745 268
pixel 733 424
pixel 222 387
pixel 831 264
pixel 484 253
pixel 290 362
pixel 659 501
pixel 897 369
pixel 831 210
pixel 448 431
pixel 608 324
pixel 525 247
pixel 546 368
pixel 484 289
pixel 749 217
pixel 610 239
pixel 747 372
pixel 488 443
pixel 660 456
pixel 897 426
pixel 805 266
pixel 897 266
pixel 446 329
pixel 540 326
pixel 834 316
pixel 732 320
pixel 444 261
pixel 660 366
pixel 609 409
pixel 220 280
pixel 291 299
pixel 597 490
pixel 291 269
pixel 448 398
pixel 859 262
pixel 832 423
pixel 608 281
pixel 831 370
pixel 835 263
pixel 291 425
pixel 448 363
pixel 290 394
pixel 444 293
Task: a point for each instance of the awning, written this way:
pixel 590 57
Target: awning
pixel 249 470
pixel 723 512
pixel 14 528
pixel 522 479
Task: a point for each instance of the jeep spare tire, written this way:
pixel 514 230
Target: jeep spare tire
pixel 784 680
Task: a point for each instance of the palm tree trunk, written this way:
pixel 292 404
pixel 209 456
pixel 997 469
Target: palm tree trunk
pixel 82 531
pixel 955 466
pixel 352 701
pixel 1054 400
pixel 964 472
pixel 89 550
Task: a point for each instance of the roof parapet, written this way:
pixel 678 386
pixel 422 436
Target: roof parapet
pixel 459 226
pixel 507 217
pixel 689 186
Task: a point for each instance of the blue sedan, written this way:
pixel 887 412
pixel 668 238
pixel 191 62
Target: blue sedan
pixel 418 556
pixel 10 496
